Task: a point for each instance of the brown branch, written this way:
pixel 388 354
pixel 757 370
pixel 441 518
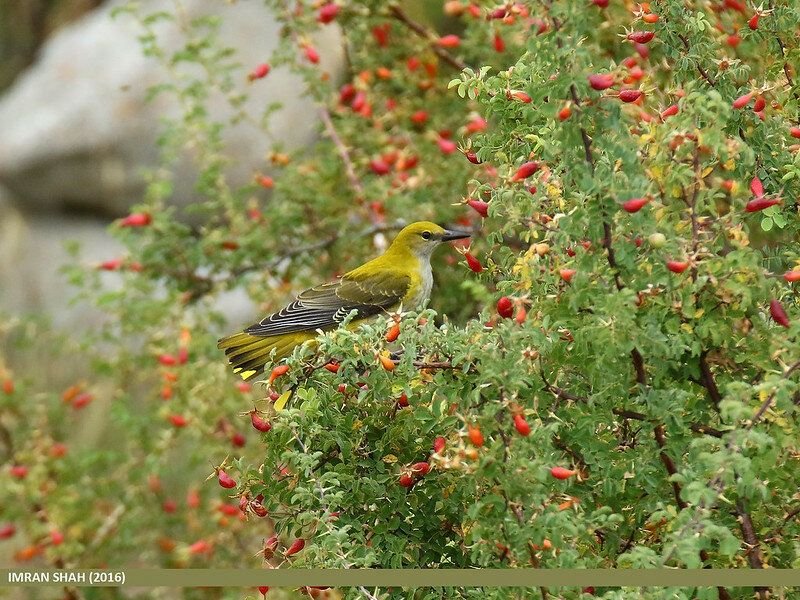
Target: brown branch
pixel 638 365
pixel 753 552
pixel 696 427
pixel 344 153
pixel 661 442
pixel 768 402
pixel 424 33
pixel 559 392
pixel 707 380
pixel 778 530
pixel 703 73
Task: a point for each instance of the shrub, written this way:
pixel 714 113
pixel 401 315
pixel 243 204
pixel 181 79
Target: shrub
pixel 638 408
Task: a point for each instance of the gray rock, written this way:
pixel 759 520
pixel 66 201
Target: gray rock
pixel 77 131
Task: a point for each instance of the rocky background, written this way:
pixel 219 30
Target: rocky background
pixel 77 133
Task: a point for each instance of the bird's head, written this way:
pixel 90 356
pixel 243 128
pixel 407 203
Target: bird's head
pixel 423 237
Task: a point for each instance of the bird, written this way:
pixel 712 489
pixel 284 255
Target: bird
pixel 400 277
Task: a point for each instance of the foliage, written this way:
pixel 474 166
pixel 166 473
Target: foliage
pixel 651 351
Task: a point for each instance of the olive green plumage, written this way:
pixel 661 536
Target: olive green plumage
pixel 401 276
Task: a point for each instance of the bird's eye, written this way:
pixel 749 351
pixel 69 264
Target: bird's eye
pixel 426 235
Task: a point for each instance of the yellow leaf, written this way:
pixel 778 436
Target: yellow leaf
pixel 389 459
pixel 282 400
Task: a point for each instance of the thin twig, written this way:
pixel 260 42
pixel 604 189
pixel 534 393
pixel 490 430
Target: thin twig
pixel 344 153
pixel 425 34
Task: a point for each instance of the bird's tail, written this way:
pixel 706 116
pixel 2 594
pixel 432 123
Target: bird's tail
pixel 248 354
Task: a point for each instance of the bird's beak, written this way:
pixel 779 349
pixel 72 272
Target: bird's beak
pixel 450 235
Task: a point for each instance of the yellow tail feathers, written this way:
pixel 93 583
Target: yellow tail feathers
pixel 249 354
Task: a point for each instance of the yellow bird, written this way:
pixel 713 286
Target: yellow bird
pixel 400 276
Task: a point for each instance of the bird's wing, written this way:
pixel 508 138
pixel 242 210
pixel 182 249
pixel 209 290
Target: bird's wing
pixel 327 305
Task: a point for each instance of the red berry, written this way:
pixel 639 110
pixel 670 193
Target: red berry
pixel 743 100
pixel 167 359
pixel 526 170
pixel 238 440
pixel 499 44
pixel 311 54
pixel 650 18
pixel 178 421
pixel 393 333
pixel 258 423
pixel 7 530
pixel 402 401
pixel 475 435
pixel 439 445
pixel 778 314
pixel 634 204
pixel 753 22
pixel 733 40
pixel 332 367
pixel 8 386
pixel 760 104
pixel 479 206
pixel 136 220
pixel 346 93
pixel 379 166
pixel 265 182
pixel 505 307
pixel 757 187
pixel 18 471
pixel 567 274
pixel 327 12
pixel 110 265
pixel 520 96
pixel 473 263
pixel 200 547
pixel 82 400
pixel 795 132
pixel 477 124
pixel 562 473
pixel 601 81
pixel 449 41
pixel 446 146
pixel 792 276
pixel 58 450
pixel 565 113
pixel 263 589
pixel 259 72
pixel 278 371
pixel 406 480
pixel 521 315
pixel 670 111
pixel 677 266
pixel 522 426
pixel 419 117
pixel 420 469
pixel 761 203
pixel 630 95
pixel 641 37
pixel 600 3
pixel 225 480
pixel 381 34
pixel 295 547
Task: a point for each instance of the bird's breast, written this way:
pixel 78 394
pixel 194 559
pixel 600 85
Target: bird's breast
pixel 421 286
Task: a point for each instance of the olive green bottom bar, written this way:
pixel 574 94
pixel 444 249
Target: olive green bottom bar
pixel 402 577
